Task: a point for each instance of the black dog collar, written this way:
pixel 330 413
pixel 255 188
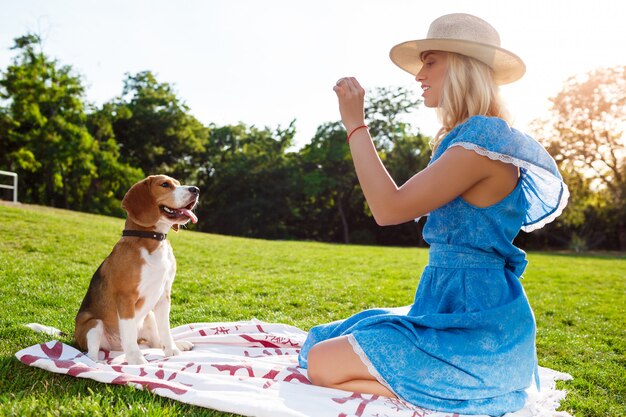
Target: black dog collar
pixel 141 233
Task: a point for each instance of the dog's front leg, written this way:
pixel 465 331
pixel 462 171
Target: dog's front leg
pixel 162 316
pixel 128 332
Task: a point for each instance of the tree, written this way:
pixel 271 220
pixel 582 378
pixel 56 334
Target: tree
pixel 385 108
pixel 403 149
pixel 155 130
pixel 114 177
pixel 246 182
pixel 410 154
pixel 585 134
pixel 64 156
pixel 334 200
pixel 328 185
pixel 42 128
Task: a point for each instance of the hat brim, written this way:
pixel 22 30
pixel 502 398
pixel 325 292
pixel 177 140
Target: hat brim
pixel 507 67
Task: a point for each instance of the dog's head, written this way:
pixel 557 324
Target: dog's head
pixel 161 198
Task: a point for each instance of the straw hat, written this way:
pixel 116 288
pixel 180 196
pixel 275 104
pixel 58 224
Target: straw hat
pixel 464 34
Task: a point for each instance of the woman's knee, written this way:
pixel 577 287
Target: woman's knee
pixel 333 362
pixel 315 366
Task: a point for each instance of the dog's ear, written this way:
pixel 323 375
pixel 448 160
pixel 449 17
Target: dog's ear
pixel 140 204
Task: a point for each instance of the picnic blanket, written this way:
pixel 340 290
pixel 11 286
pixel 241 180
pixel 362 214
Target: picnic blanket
pixel 250 368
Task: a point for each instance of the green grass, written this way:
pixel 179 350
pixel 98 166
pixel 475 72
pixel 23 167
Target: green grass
pixel 47 257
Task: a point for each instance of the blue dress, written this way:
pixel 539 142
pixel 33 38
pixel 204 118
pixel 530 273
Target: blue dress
pixel 467 343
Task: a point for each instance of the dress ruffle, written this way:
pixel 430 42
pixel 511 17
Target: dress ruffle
pixel 543 185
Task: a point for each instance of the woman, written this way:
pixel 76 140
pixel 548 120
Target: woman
pixel 467 343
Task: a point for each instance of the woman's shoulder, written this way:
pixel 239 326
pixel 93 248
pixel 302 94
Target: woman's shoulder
pixel 479 121
pixel 483 128
pixel 484 132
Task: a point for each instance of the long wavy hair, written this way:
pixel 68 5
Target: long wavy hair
pixel 468 90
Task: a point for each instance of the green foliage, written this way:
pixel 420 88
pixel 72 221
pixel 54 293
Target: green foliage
pixel 403 150
pixel 64 156
pixel 114 177
pixel 579 303
pixel 384 111
pixel 155 130
pixel 329 186
pixel 246 182
pixel 335 208
pixel 253 186
pixel 43 128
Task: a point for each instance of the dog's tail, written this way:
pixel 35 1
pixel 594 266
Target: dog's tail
pixel 40 328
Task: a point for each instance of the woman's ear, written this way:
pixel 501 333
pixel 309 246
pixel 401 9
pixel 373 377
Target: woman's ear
pixel 140 205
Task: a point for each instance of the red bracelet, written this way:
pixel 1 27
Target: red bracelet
pixel 354 130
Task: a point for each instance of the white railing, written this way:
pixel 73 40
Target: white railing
pixel 11 187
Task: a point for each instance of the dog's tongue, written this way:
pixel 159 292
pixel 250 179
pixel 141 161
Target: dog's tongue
pixel 190 214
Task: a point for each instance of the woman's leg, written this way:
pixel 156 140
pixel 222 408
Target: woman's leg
pixel 334 364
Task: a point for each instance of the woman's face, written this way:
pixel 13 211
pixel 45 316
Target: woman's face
pixel 431 76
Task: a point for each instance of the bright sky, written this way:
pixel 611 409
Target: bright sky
pixel 268 62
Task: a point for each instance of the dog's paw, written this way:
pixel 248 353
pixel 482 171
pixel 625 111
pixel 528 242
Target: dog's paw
pixel 171 351
pixel 94 358
pixel 184 345
pixel 136 359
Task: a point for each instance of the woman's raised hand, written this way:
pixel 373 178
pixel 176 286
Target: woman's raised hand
pixel 351 102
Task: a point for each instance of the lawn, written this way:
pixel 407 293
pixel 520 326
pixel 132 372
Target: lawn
pixel 47 257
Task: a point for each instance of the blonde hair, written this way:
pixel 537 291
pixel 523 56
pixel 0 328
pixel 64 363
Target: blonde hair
pixel 468 90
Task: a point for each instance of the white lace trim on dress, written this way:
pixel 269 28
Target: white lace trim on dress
pixel 529 167
pixel 370 367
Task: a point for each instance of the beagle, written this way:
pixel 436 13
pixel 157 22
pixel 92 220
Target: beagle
pixel 128 299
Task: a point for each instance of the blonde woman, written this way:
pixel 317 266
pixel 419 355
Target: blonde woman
pixel 467 343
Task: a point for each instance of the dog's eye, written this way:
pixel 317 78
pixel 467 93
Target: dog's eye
pixel 165 185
